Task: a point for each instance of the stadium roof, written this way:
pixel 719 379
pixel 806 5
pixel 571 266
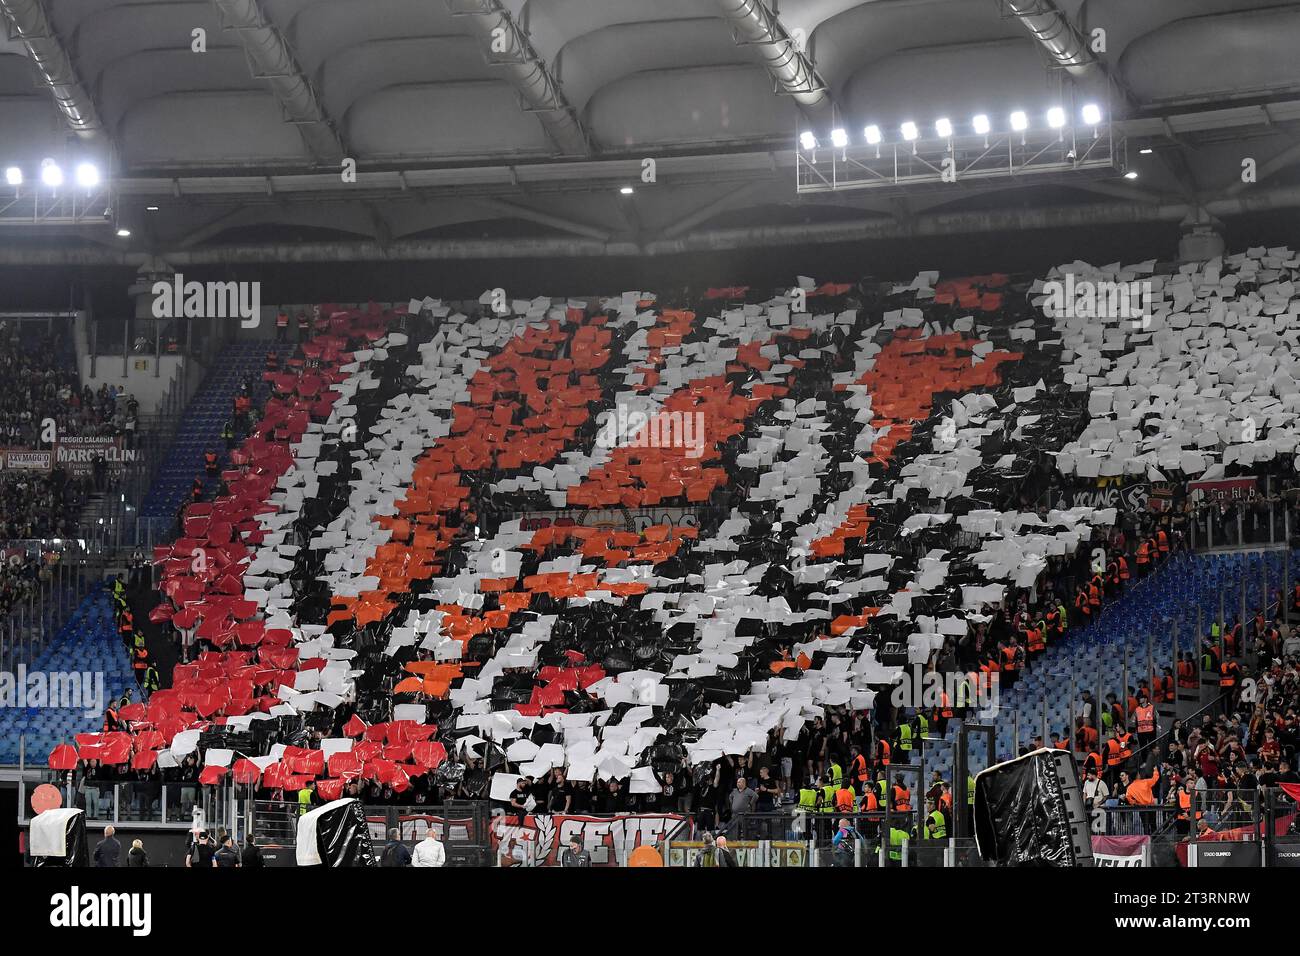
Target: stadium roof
pixel 524 119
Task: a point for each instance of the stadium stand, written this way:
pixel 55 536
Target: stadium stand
pixel 236 369
pixel 841 433
pixel 383 604
pixel 84 672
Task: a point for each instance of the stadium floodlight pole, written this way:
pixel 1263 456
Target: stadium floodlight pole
pixel 1101 697
pixel 1123 689
pixel 1286 579
pixel 1151 668
pixel 1069 729
pixel 1263 582
pixel 1244 574
pixel 1223 621
pixel 1173 653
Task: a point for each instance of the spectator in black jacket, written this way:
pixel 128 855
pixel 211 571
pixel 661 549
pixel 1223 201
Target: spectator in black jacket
pixel 108 853
pixel 136 856
pixel 251 857
pixel 395 853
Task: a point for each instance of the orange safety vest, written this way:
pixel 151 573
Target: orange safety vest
pixel 1123 568
pixel 882 752
pixel 1114 753
pixel 1228 674
pixel 1185 806
pixel 1230 640
pixel 902 799
pixel 1009 658
pixel 1144 553
pixel 869 801
pixel 1165 689
pixel 945 706
pixel 1146 719
pixel 1094 594
pixel 844 799
pixel 210 459
pixel 1036 639
pixel 1162 541
pixel 1093 759
pixel 859 769
pixel 1126 745
pixel 1186 674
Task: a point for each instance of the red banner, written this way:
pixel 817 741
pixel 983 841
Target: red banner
pixel 542 839
pixel 1226 490
pixel 1120 850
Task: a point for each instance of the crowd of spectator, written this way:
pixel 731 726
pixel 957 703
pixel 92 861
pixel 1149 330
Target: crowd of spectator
pixel 20 580
pixel 34 505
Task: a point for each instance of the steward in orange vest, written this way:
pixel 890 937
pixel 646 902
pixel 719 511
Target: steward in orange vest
pixel 1145 713
pixel 1164 688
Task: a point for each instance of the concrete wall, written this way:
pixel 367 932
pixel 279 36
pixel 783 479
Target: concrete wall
pixel 148 377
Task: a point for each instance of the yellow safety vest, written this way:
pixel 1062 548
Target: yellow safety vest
pixel 828 798
pixel 937 829
pixel 896 838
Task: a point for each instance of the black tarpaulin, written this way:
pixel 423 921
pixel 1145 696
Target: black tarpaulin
pixel 335 835
pixel 1020 813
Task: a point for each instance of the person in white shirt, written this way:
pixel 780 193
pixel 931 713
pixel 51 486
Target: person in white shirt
pixel 429 852
pixel 1095 795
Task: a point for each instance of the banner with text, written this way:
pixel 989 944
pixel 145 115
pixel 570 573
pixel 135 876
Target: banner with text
pixel 1121 850
pixel 25 459
pixel 78 453
pixel 1225 491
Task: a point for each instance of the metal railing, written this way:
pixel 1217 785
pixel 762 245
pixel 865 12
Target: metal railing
pixel 69 572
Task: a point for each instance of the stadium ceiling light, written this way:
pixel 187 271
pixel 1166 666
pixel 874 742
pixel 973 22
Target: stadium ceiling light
pixel 872 133
pixel 1131 174
pixel 1019 121
pixel 1092 114
pixel 150 208
pixel 943 127
pixel 626 191
pixel 14 176
pixel 1056 117
pixel 980 123
pixel 909 131
pixel 87 175
pixel 51 174
pixel 123 232
pixel 1146 150
pixel 839 138
pixel 807 140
